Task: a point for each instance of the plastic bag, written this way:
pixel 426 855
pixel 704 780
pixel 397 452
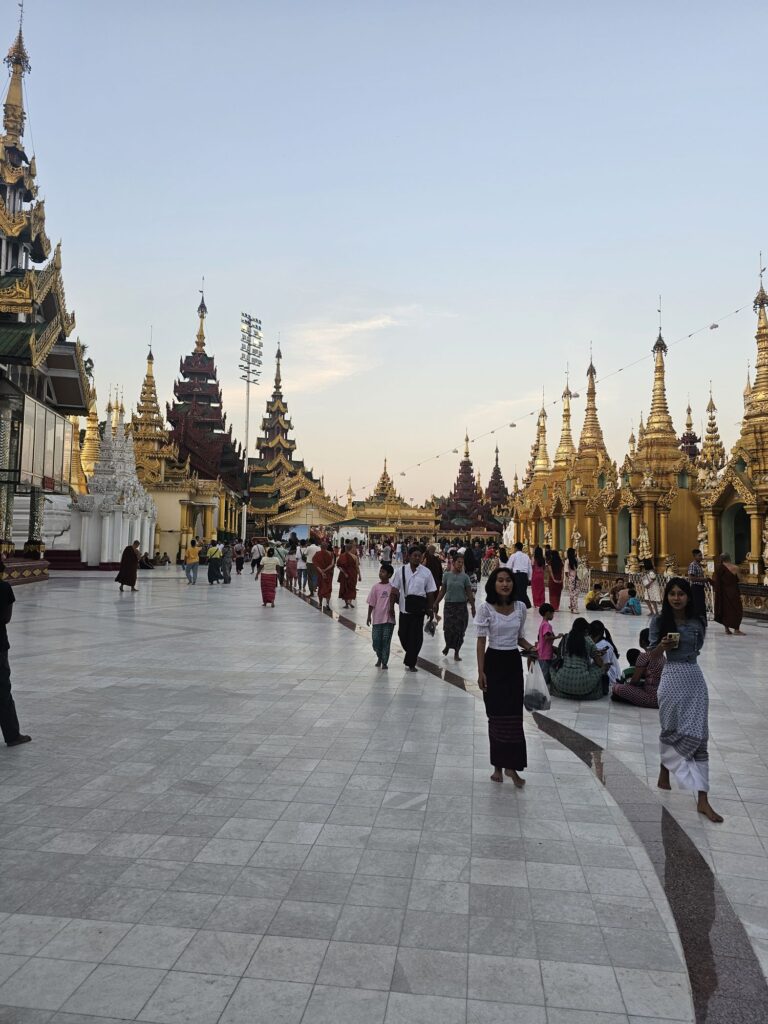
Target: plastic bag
pixel 536 696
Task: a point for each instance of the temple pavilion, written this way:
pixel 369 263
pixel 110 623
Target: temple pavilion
pixel 385 514
pixel 466 512
pixel 42 374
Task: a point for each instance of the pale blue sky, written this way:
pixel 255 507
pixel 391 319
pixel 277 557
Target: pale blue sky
pixel 437 204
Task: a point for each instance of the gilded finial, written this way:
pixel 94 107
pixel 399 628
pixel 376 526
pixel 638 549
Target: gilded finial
pixel 202 312
pixel 278 376
pixel 466 444
pixel 14 115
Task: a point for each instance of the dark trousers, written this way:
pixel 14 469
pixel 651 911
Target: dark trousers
pixel 410 631
pixel 699 601
pixel 9 723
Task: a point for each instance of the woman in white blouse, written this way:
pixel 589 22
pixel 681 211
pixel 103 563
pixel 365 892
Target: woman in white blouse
pixel 499 625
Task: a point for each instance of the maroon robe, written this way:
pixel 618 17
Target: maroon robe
pixel 129 567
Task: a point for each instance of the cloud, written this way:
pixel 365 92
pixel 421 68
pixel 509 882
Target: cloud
pixel 333 351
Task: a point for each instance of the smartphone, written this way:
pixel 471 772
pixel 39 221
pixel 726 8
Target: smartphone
pixel 675 638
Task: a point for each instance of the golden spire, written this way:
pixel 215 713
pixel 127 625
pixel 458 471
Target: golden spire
pixel 497 453
pixel 632 442
pixel 202 312
pixel 148 407
pixel 466 444
pixel 591 433
pixel 760 386
pixel 565 450
pixel 13 108
pixel 659 420
pixel 641 430
pixel 350 493
pixel 747 389
pixel 712 450
pixel 541 458
pixel 91 449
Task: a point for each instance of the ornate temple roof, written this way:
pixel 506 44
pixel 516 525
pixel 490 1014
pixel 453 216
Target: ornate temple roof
pixel 688 442
pixel 752 445
pixel 496 493
pixel 591 440
pixel 35 324
pixel 385 491
pixel 199 425
pixel 712 457
pixel 657 444
pixel 541 456
pixel 465 488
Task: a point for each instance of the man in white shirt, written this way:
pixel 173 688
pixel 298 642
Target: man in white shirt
pixel 413 581
pixel 257 553
pixel 312 549
pixel 521 568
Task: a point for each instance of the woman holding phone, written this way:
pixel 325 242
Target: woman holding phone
pixel 683 695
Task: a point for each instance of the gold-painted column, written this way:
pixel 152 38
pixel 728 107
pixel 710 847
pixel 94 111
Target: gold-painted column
pixel 755 531
pixel 649 517
pixel 611 523
pixel 207 522
pixel 663 534
pixel 591 545
pixel 712 522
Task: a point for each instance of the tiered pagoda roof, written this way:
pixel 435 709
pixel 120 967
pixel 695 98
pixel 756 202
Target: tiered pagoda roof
pixel 688 442
pixel 496 493
pixel 34 321
pixel 712 458
pixel 199 424
pixel 279 483
pixel 157 457
pixel 466 510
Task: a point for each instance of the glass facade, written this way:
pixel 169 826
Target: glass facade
pixel 46 448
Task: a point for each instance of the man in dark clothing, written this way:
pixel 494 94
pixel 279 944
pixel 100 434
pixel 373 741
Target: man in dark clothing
pixel 9 723
pixel 434 565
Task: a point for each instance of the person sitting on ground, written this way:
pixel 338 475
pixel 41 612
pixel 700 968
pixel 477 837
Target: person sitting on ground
pixel 620 595
pixel 632 606
pixel 592 597
pixel 632 655
pixel 641 689
pixel 145 562
pixel 165 560
pixel 609 654
pixel 580 677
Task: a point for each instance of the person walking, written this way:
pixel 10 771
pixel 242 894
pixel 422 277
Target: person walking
pixel 9 720
pixel 556 570
pixel 538 592
pixel 129 567
pixel 413 588
pixel 267 576
pixel 683 695
pixel 191 563
pixel 323 561
pixel 257 553
pixel 292 566
pixel 729 609
pixel 301 566
pixel 239 553
pixel 651 586
pixel 581 675
pixel 382 614
pixel 456 591
pixel 226 562
pixel 522 571
pixel 214 563
pixel 499 626
pixel 312 548
pixel 698 581
pixel 348 564
pixel 572 577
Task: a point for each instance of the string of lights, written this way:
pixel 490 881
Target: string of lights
pixel 713 325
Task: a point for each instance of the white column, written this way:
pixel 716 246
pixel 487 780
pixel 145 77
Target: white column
pixel 143 533
pixel 106 530
pixel 152 527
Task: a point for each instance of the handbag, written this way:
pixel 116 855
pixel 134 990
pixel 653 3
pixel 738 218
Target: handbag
pixel 414 604
pixel 536 696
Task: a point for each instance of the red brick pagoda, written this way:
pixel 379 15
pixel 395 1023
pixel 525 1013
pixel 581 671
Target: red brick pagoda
pixel 199 424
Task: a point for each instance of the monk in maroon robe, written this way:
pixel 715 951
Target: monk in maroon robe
pixel 349 573
pixel 323 563
pixel 129 567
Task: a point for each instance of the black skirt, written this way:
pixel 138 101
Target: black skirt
pixel 504 706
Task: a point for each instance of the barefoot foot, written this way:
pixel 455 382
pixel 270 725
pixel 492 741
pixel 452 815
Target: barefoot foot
pixel 704 807
pixel 497 776
pixel 512 774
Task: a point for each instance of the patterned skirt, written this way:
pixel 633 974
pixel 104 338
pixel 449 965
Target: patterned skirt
pixel 683 714
pixel 504 706
pixel 455 621
pixel 268 582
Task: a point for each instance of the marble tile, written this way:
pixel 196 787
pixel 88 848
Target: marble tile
pixel 188 999
pixel 43 984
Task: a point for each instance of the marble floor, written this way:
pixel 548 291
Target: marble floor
pixel 228 814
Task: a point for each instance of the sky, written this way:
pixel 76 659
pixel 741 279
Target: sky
pixel 435 206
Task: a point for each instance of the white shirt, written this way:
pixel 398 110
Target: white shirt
pixel 311 552
pixel 502 631
pixel 418 583
pixel 302 559
pixel 610 661
pixel 520 562
pixel 257 551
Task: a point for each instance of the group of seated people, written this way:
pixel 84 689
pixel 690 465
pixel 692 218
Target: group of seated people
pixel 622 597
pixel 146 562
pixel 585 665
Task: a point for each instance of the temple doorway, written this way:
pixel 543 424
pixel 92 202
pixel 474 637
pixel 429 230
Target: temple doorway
pixel 734 533
pixel 623 538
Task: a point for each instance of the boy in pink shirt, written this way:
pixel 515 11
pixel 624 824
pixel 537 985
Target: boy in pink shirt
pixel 383 616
